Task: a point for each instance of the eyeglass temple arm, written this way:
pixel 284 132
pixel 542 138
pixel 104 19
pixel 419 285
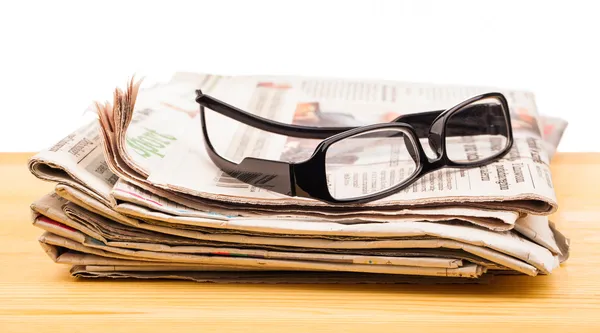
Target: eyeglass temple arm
pixel 271 175
pixel 420 121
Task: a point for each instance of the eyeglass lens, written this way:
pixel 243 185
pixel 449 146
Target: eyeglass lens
pixel 477 131
pixel 369 163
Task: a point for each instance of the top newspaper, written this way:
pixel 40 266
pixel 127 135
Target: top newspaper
pixel 155 138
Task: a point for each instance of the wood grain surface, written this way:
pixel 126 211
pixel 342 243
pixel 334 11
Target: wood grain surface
pixel 37 295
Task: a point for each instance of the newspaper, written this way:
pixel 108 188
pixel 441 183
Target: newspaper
pixel 197 203
pixel 520 182
pixel 136 194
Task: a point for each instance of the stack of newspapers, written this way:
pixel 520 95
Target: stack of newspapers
pixel 137 195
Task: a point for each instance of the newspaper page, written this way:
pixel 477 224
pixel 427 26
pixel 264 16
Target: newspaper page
pixel 81 244
pixel 140 203
pixel 58 228
pixel 470 271
pixel 266 277
pixel 77 160
pixel 100 263
pixel 535 228
pixel 553 129
pixel 93 265
pixel 161 242
pixel 521 181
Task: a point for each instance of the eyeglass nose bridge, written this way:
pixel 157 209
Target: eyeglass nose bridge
pixel 435 137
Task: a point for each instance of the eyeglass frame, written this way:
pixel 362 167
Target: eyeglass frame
pixel 308 178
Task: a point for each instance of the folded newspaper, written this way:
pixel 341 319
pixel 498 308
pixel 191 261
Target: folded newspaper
pixel 136 195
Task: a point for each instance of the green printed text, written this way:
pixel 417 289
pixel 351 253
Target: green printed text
pixel 150 143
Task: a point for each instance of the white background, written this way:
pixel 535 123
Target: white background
pixel 57 57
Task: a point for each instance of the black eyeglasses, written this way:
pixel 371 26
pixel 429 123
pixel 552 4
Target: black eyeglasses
pixel 355 165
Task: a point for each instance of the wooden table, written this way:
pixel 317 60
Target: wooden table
pixel 37 295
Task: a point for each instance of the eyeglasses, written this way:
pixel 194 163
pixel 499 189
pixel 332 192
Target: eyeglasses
pixel 355 165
